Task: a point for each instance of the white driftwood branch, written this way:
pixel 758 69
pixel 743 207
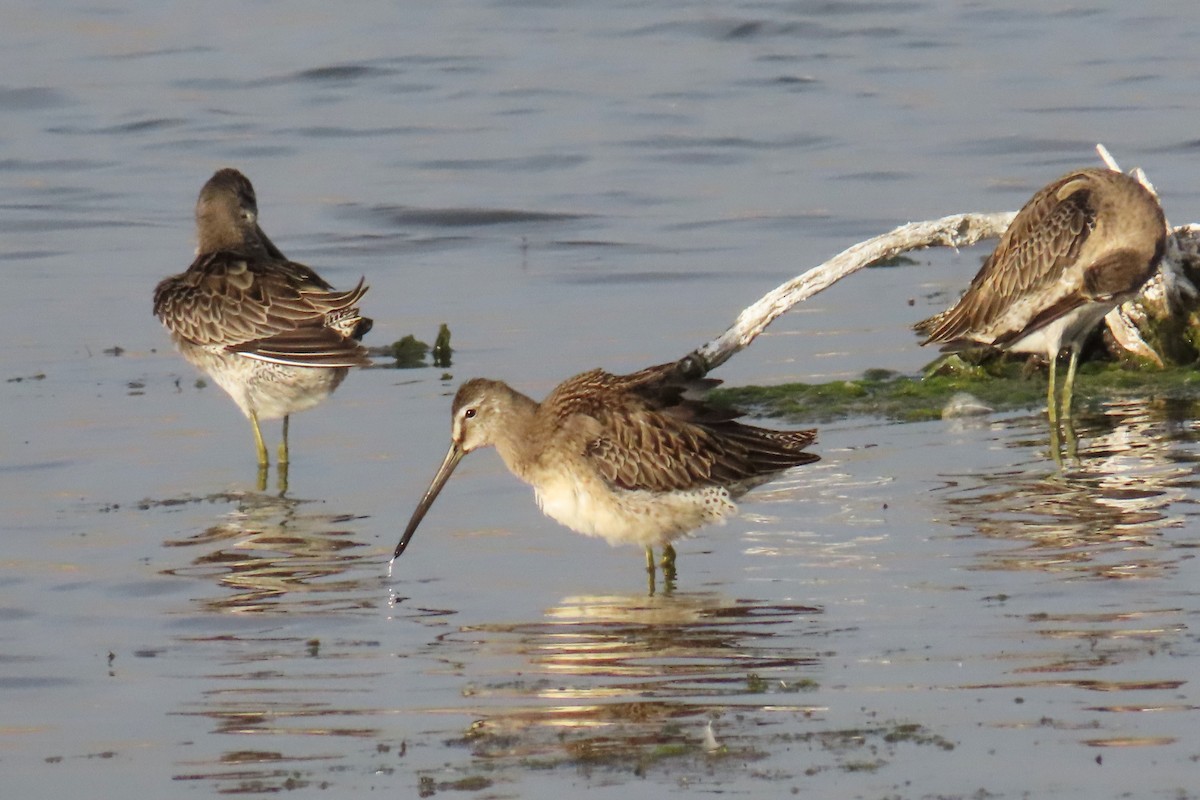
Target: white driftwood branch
pixel 958 230
pixel 1170 288
pixel 1166 290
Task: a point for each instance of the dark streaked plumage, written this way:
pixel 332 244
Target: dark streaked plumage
pixel 1081 246
pixel 271 332
pixel 633 459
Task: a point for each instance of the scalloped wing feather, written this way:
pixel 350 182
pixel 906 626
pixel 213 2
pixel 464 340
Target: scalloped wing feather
pixel 1043 241
pixel 240 303
pixel 640 431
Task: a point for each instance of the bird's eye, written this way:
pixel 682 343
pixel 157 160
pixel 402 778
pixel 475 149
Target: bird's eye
pixel 469 413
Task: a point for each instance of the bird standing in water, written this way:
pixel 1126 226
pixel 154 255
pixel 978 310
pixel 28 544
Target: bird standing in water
pixel 633 459
pixel 1082 245
pixel 271 332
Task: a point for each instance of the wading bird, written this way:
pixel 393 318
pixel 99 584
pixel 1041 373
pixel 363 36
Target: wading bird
pixel 1082 245
pixel 633 459
pixel 271 332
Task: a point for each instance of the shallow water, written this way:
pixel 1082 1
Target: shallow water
pixel 931 610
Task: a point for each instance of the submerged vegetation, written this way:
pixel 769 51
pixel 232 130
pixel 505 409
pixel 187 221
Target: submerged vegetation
pixel 442 351
pixel 409 352
pixel 1000 384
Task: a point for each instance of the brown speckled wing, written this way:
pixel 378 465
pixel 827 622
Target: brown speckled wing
pixel 1043 240
pixel 263 308
pixel 640 449
pixel 649 436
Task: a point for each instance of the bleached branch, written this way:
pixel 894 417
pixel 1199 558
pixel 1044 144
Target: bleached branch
pixel 1166 290
pixel 957 230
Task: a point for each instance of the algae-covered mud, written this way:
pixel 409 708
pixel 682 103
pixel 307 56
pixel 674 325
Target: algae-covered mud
pixel 962 389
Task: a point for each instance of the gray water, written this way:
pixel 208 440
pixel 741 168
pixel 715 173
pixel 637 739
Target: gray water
pixel 933 610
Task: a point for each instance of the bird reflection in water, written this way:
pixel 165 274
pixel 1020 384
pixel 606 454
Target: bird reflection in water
pixel 1069 538
pixel 1103 518
pixel 271 556
pixel 615 678
pixel 274 558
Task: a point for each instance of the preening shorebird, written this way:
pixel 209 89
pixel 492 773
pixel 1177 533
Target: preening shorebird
pixel 271 332
pixel 1081 246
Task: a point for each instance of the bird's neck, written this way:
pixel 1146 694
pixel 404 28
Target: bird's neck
pixel 515 440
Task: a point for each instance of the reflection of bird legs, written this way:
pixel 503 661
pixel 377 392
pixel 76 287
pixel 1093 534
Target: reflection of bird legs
pixel 1070 439
pixel 1052 410
pixel 668 583
pixel 668 567
pixel 1069 385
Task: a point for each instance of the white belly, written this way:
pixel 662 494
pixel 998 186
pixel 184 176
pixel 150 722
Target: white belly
pixel 630 517
pixel 1069 329
pixel 269 390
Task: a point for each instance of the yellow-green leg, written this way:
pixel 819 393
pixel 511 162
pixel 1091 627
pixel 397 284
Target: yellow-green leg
pixel 1051 401
pixel 651 576
pixel 668 560
pixel 283 446
pixel 668 568
pixel 1052 413
pixel 260 447
pixel 1069 386
pixel 281 479
pixel 1072 441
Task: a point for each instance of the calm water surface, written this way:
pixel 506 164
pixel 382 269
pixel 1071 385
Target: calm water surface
pixel 931 610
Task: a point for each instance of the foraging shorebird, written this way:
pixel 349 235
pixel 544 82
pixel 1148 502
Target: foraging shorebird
pixel 1081 246
pixel 271 332
pixel 633 459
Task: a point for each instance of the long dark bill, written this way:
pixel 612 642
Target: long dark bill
pixel 454 455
